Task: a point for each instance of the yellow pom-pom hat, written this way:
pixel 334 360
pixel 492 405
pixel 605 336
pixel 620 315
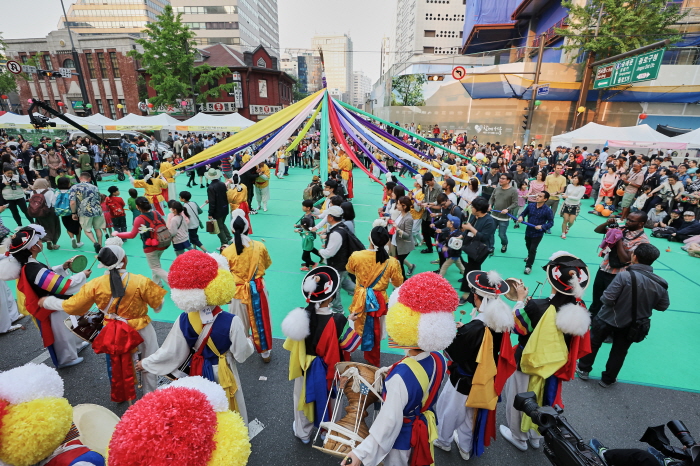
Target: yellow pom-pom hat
pixel 188 423
pixel 198 280
pixel 420 313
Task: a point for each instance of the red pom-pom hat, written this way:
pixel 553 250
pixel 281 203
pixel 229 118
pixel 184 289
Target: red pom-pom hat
pixel 192 270
pixel 428 292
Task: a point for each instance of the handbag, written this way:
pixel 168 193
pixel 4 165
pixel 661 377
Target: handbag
pixel 212 227
pixel 475 250
pixel 639 329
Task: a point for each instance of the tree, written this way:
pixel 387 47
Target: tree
pixel 7 80
pixel 407 90
pixel 297 92
pixel 624 26
pixel 168 57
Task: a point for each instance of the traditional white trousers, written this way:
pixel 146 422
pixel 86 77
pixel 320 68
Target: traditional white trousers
pixel 516 383
pixel 302 426
pixel 66 343
pixel 172 192
pixel 280 169
pixel 241 310
pixel 8 308
pixel 453 416
pixel 262 195
pixel 147 348
pixel 416 231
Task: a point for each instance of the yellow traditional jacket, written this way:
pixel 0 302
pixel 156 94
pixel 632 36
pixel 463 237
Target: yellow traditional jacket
pixel 418 195
pixel 141 292
pixel 261 182
pixel 235 197
pixel 251 264
pixel 168 171
pixel 153 190
pixel 345 166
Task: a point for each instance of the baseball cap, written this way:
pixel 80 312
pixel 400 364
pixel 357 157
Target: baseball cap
pixel 335 211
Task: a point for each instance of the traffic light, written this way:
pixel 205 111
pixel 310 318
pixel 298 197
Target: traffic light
pixel 49 74
pixel 436 77
pixel 526 118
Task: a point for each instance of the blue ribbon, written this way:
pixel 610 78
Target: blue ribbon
pixel 371 306
pixel 479 432
pixel 257 314
pixel 317 389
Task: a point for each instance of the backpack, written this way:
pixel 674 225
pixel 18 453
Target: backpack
pixel 62 205
pixel 353 244
pixel 37 205
pixel 159 236
pixel 308 193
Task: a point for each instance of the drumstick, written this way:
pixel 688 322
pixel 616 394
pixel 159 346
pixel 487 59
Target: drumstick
pixel 93 263
pixel 538 285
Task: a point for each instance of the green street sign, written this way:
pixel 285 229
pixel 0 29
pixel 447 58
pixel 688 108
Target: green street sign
pixel 644 67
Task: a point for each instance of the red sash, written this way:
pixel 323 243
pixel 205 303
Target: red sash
pixel 119 340
pixel 68 457
pixel 31 303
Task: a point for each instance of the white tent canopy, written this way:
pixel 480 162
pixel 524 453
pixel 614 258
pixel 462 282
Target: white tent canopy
pixel 233 122
pixel 691 138
pixel 99 119
pixel 12 120
pixel 594 134
pixel 152 123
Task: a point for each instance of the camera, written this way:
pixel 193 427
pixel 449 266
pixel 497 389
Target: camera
pixel 563 446
pixel 656 437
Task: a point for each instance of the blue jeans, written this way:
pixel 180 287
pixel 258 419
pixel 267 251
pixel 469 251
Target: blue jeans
pixel 502 229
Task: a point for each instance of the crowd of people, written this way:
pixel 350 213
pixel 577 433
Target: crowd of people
pixel 451 202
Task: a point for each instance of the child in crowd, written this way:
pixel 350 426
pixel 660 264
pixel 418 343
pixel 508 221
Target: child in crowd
pixel 307 206
pixel 132 160
pixel 307 243
pixel 193 211
pixel 177 222
pixel 63 174
pixel 640 202
pixel 589 189
pixel 108 217
pixel 522 196
pixel 115 204
pixel 135 212
pixel 656 216
pixel 451 244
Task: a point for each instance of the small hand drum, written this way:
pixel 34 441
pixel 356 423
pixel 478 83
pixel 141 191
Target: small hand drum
pixel 512 294
pixel 78 263
pixel 88 326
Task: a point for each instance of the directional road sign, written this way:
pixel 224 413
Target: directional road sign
pixel 644 67
pixel 458 72
pixel 28 69
pixel 13 67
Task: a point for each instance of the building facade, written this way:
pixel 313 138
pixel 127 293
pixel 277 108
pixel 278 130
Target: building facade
pixel 289 65
pixel 112 16
pixel 425 28
pixel 110 76
pixel 243 24
pixel 361 87
pixel 260 87
pixel 386 57
pixel 309 67
pixel 337 61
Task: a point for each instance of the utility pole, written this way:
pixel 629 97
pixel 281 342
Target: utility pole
pixel 78 67
pixel 533 98
pixel 586 81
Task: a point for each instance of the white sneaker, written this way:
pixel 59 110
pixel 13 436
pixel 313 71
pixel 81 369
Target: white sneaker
pixel 535 442
pixel 508 435
pixel 464 454
pixel 294 431
pixel 74 362
pixel 80 245
pixel 82 346
pixel 563 236
pixel 441 446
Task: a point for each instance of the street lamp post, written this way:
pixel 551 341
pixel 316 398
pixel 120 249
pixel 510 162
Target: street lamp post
pixel 76 61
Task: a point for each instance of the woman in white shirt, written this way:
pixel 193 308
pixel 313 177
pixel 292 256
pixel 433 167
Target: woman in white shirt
pixel 469 192
pixel 50 222
pixel 572 203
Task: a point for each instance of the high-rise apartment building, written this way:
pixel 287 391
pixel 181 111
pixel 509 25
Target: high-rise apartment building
pixel 309 67
pixel 427 27
pixel 337 58
pixel 289 65
pixel 361 86
pixel 112 16
pixel 386 58
pixel 245 24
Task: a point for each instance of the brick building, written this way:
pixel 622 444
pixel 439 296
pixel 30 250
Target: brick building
pixel 261 88
pixel 110 76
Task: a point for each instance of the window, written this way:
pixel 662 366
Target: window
pixel 91 65
pixel 261 63
pixel 112 108
pixel 123 102
pixel 217 40
pixel 428 49
pixel 429 33
pixel 103 65
pixel 24 59
pixel 47 62
pixel 115 64
pixel 68 63
pixel 262 88
pixel 206 10
pixel 100 107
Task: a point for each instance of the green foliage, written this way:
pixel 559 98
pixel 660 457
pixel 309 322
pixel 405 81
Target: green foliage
pixel 142 88
pixel 624 26
pixel 8 82
pixel 407 90
pixel 298 94
pixel 168 57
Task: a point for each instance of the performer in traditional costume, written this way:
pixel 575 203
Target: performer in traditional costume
pixel 262 186
pixel 237 196
pixel 9 312
pixel 167 171
pixel 374 270
pixel 39 426
pixel 124 298
pixel 36 280
pixel 186 423
pixel 420 320
pixel 559 323
pixel 153 188
pixel 205 340
pixel 345 167
pixel 248 260
pixel 481 361
pixel 315 341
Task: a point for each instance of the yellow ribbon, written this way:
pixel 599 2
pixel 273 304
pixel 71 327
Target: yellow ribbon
pixel 299 363
pixel 305 130
pixel 424 382
pixel 483 394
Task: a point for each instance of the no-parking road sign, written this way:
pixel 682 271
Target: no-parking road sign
pixel 13 67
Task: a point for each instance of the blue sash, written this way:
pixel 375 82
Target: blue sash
pixel 317 389
pixel 371 306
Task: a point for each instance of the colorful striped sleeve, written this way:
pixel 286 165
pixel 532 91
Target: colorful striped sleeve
pixel 350 340
pixel 52 282
pixel 523 326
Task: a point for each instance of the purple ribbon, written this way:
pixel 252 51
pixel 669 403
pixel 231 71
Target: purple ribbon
pixel 376 129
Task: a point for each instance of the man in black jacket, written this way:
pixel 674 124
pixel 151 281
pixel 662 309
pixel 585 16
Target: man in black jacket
pixel 618 312
pixel 336 253
pixel 218 204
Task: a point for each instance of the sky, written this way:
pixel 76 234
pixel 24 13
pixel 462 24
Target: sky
pixel 365 21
